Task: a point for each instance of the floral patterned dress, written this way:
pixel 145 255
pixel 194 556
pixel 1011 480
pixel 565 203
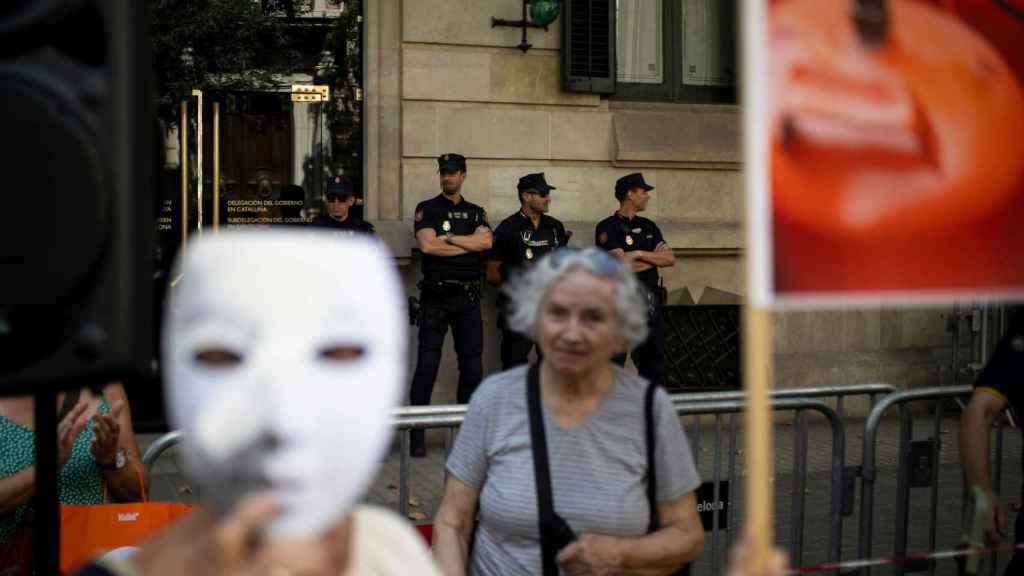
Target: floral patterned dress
pixel 80 481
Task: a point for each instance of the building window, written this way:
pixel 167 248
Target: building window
pixel 667 50
pixel 676 50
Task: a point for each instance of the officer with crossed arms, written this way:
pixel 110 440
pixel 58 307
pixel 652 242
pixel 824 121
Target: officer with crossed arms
pixel 452 234
pixel 638 242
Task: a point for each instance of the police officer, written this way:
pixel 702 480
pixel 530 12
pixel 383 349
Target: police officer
pixel 340 199
pixel 519 241
pixel 999 386
pixel 638 242
pixel 452 234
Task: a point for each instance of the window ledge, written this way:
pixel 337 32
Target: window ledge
pixel 640 105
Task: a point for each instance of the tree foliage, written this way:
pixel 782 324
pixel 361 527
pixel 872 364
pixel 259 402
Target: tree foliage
pixel 221 45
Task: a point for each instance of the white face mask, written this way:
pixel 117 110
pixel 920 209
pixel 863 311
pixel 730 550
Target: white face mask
pixel 284 354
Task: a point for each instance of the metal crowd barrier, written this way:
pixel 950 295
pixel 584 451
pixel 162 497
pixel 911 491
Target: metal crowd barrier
pixel 696 405
pixel 869 472
pixel 837 392
pixel 446 419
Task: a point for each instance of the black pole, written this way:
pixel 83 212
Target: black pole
pixel 46 524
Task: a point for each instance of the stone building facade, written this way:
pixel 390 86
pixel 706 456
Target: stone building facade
pixel 440 79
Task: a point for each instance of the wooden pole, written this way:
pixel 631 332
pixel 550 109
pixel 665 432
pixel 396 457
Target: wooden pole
pixel 216 166
pixel 757 371
pixel 199 160
pixel 757 328
pixel 183 131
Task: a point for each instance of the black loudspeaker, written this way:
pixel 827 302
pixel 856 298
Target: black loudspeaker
pixel 76 221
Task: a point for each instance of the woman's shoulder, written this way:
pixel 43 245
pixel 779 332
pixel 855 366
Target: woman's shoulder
pixel 629 383
pixel 385 543
pixel 632 389
pixel 501 387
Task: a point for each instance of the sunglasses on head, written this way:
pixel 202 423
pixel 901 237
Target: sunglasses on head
pixel 601 262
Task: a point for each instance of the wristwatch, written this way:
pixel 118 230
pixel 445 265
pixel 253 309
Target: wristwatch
pixel 120 461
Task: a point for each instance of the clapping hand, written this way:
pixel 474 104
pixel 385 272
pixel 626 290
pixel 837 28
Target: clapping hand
pixel 106 431
pixel 68 430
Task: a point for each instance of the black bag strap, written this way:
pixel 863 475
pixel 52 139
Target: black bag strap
pixel 541 472
pixel 652 473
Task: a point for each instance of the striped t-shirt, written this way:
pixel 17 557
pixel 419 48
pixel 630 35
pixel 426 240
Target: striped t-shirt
pixel 598 468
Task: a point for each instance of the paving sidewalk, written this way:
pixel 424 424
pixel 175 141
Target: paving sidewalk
pixel 426 479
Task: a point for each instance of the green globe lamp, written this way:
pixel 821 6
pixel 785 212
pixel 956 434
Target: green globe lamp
pixel 544 12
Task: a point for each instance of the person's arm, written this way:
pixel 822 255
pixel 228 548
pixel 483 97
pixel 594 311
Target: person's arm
pixel 16 489
pixel 453 526
pixel 123 484
pixel 202 544
pixel 431 244
pixel 742 558
pixel 679 541
pixel 975 424
pixel 479 241
pixel 633 259
pixel 661 257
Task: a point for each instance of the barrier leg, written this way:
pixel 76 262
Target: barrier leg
pixel 695 440
pixel 403 475
pixel 903 488
pixel 796 545
pixel 934 510
pixel 997 484
pixel 836 505
pixel 731 516
pixel 716 475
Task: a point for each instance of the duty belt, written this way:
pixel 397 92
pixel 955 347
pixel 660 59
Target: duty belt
pixel 441 284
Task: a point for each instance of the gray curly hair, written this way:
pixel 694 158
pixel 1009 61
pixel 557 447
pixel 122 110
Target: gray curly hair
pixel 528 290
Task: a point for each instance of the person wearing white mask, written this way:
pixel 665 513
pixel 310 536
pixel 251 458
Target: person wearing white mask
pixel 282 369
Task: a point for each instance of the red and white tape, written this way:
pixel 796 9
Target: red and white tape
pixel 835 567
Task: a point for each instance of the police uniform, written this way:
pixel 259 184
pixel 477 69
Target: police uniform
pixel 341 187
pixel 348 226
pixel 517 244
pixel 449 294
pixel 639 233
pixel 1003 376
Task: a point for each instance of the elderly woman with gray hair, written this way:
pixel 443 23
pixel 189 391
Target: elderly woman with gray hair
pixel 616 493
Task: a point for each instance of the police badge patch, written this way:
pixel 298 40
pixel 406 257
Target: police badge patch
pixel 602 238
pixel 419 215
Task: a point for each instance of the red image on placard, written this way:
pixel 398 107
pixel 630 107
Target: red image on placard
pixel 896 146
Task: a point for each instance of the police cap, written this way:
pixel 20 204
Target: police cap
pixel 339 186
pixel 534 182
pixel 628 182
pixel 451 162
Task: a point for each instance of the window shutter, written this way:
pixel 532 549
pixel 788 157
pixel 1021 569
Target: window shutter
pixel 588 46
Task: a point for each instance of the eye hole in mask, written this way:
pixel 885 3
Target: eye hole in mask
pixel 345 353
pixel 218 358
